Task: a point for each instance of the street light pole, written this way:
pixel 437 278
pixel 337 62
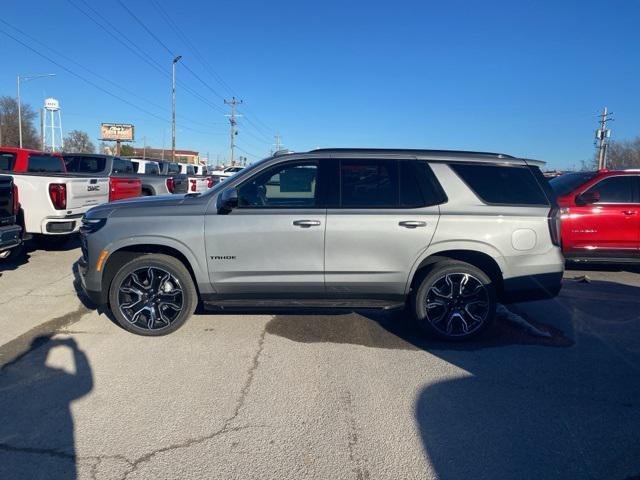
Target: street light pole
pixel 173 107
pixel 25 79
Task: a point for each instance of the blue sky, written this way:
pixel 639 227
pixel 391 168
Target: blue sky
pixel 525 78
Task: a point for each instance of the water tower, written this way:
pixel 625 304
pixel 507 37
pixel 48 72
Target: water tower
pixel 52 131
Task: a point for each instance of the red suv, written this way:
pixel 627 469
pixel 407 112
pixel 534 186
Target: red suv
pixel 600 215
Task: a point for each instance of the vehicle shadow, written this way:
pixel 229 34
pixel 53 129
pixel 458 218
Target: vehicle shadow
pixel 524 406
pixel 37 431
pixel 530 412
pixel 24 252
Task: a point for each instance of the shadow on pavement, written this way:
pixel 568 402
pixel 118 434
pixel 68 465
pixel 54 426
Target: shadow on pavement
pixel 37 432
pixel 545 413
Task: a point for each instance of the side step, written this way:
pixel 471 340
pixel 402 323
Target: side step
pixel 301 303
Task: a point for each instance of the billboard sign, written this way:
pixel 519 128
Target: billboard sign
pixel 116 131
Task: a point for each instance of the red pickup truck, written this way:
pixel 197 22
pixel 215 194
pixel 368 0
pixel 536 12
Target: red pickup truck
pixel 600 215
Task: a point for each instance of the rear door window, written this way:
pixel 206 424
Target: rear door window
pixel 7 161
pixel 501 184
pixel 151 169
pixel 173 168
pixel 369 184
pixel 619 189
pixel 81 164
pixel 44 164
pixel 190 170
pixel 121 165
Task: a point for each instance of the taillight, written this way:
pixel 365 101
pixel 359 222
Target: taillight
pixel 16 200
pixel 193 185
pixel 554 225
pixel 171 185
pixel 58 195
pixel 209 182
pixel 112 189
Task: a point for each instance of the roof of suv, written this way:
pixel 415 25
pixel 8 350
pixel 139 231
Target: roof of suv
pixel 447 155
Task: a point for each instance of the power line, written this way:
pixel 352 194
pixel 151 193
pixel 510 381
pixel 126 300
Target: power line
pixel 101 77
pixel 88 81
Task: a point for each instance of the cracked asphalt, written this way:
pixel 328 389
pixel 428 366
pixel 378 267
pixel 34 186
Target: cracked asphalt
pixel 328 395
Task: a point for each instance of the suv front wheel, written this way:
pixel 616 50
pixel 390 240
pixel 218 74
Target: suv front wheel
pixel 454 301
pixel 152 295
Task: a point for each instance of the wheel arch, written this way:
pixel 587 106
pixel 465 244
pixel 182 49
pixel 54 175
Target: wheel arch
pixel 479 258
pixel 126 253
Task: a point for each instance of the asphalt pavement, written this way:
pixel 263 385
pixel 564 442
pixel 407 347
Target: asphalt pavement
pixel 329 395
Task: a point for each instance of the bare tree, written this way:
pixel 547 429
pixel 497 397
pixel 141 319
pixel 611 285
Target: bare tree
pixel 9 124
pixel 78 142
pixel 623 154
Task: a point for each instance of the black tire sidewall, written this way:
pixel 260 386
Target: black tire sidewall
pixel 438 270
pixel 173 266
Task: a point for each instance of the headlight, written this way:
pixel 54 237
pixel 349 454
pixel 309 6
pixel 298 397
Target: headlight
pixel 92 225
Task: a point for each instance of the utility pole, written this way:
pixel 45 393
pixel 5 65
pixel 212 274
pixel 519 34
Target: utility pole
pixel 602 135
pixel 278 145
pixel 232 121
pixel 173 107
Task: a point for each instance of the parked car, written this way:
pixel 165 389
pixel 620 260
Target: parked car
pixel 123 183
pixel 177 182
pixel 10 230
pixel 449 234
pixel 52 200
pixel 196 182
pixel 224 173
pixel 600 215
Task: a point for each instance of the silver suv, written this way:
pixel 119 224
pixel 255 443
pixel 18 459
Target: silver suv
pixel 447 234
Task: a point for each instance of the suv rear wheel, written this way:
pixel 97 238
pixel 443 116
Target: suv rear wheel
pixel 152 295
pixel 454 301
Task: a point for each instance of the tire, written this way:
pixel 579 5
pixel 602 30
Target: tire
pixel 461 299
pixel 137 290
pixel 51 242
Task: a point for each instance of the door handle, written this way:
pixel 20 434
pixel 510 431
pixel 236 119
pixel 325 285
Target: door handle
pixel 629 212
pixel 306 223
pixel 412 224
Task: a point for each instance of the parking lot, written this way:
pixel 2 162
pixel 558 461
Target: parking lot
pixel 308 395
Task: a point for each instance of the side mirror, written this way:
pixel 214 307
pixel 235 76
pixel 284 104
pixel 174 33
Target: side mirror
pixel 228 200
pixel 587 198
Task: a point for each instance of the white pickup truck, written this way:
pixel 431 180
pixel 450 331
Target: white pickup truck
pixel 197 183
pixel 52 201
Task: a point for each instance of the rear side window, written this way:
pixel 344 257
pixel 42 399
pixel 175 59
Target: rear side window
pixel 7 161
pixel 121 165
pixel 151 169
pixel 615 189
pixel 190 170
pixel 388 184
pixel 84 164
pixel 502 185
pixel 173 168
pixel 44 164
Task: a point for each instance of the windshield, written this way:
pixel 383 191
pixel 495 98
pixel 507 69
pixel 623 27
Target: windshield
pixel 567 183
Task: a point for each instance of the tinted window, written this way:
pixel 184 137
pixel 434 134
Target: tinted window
pixel 151 169
pixel 136 166
pixel 418 185
pixel 502 184
pixel 568 182
pixel 615 189
pixel 190 170
pixel 292 185
pixel 173 168
pixel 368 183
pixel 84 164
pixel 121 165
pixel 45 163
pixel 7 161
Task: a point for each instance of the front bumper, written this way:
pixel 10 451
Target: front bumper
pixel 94 295
pixel 541 286
pixel 10 237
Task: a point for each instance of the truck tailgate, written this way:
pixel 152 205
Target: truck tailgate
pixel 86 191
pixel 121 188
pixel 198 184
pixel 6 200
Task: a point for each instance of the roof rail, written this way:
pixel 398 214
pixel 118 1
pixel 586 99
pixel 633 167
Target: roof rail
pixel 284 151
pixel 414 151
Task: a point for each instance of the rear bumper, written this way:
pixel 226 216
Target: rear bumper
pixel 61 225
pixel 10 237
pixel 542 286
